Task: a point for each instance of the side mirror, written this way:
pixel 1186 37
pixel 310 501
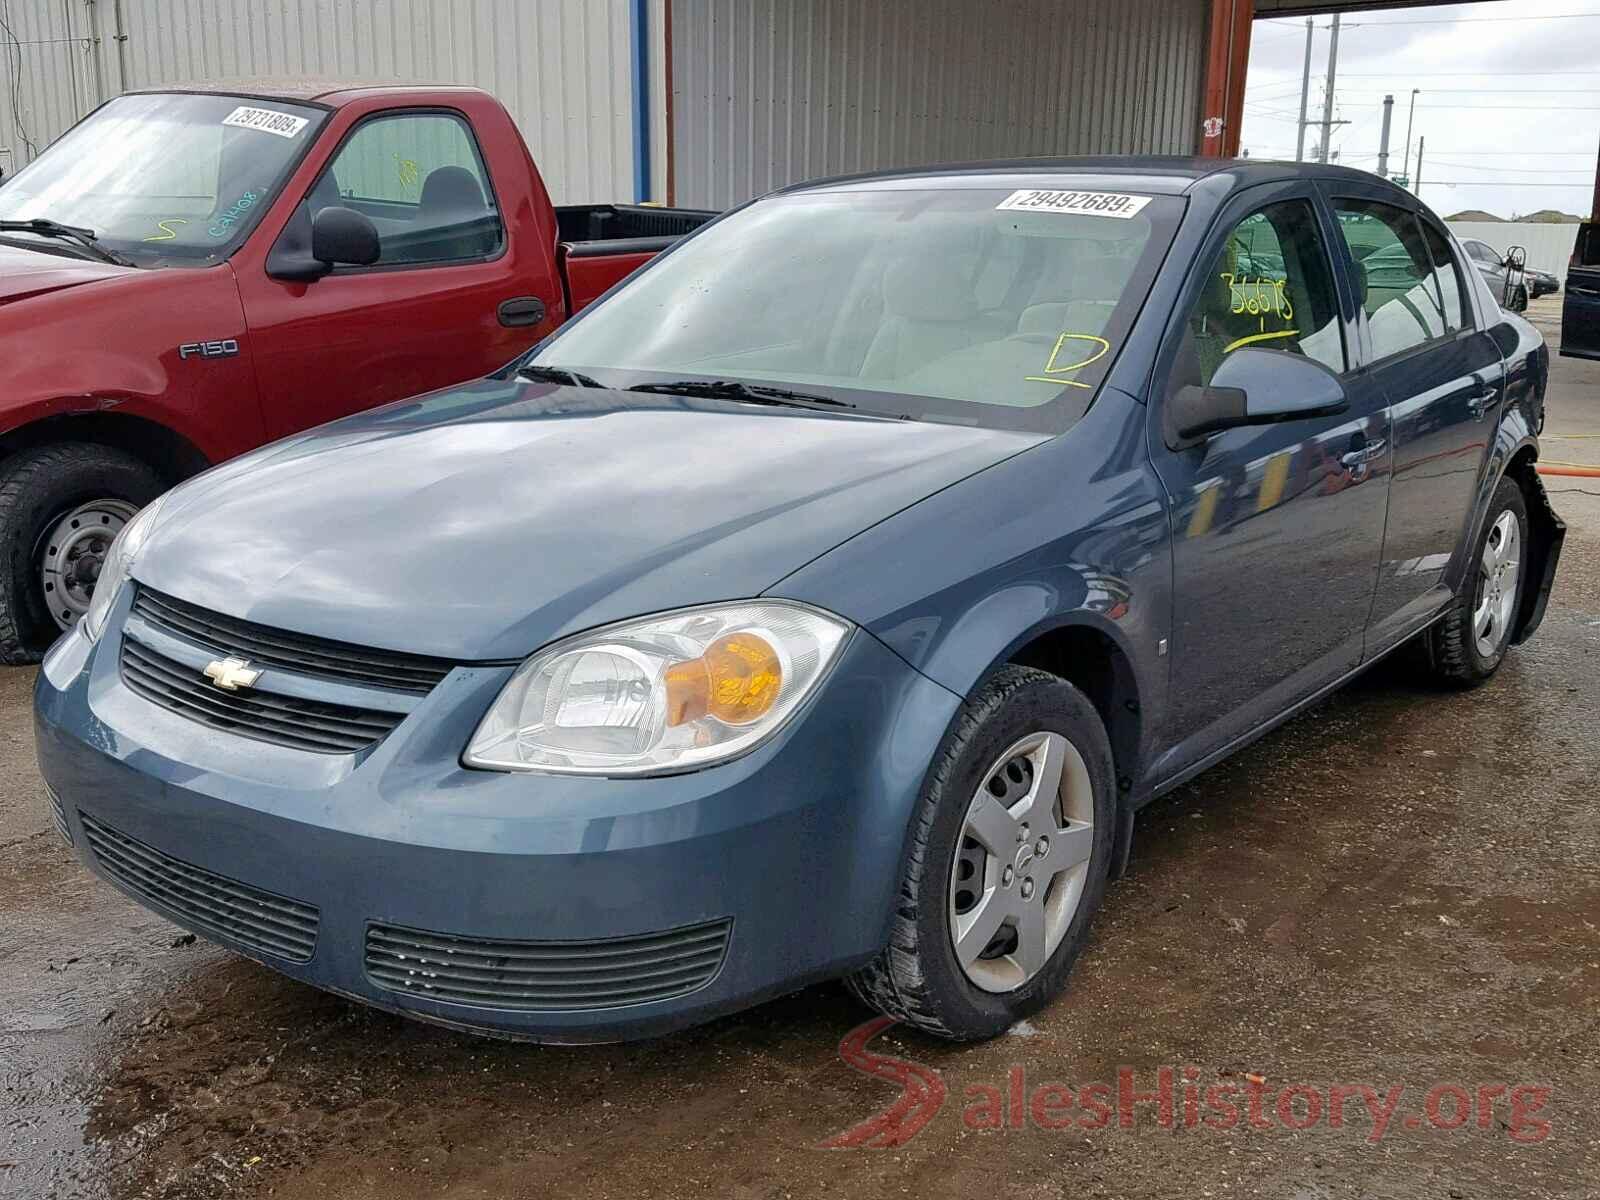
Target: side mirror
pixel 310 247
pixel 1255 387
pixel 344 237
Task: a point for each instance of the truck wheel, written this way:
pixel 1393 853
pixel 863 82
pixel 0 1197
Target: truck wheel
pixel 1468 644
pixel 1008 858
pixel 60 507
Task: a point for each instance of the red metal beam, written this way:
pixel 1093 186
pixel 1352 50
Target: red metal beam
pixel 1227 59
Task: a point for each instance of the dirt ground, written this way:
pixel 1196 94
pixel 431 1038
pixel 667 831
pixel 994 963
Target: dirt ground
pixel 1399 888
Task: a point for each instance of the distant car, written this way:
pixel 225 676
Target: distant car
pixel 824 601
pixel 1580 313
pixel 1505 280
pixel 1542 283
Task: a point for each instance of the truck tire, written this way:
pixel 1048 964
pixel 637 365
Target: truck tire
pixel 1467 645
pixel 989 830
pixel 60 506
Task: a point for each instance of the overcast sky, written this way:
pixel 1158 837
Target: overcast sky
pixel 1509 101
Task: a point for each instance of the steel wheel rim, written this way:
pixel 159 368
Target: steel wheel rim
pixel 73 551
pixel 1499 570
pixel 1021 862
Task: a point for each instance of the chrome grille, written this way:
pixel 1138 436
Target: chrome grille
pixel 58 813
pixel 304 655
pixel 546 976
pixel 283 720
pixel 258 921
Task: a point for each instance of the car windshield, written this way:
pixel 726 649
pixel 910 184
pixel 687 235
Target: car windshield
pixel 164 179
pixel 979 304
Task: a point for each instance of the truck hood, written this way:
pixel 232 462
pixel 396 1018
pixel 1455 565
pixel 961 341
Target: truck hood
pixel 25 273
pixel 482 522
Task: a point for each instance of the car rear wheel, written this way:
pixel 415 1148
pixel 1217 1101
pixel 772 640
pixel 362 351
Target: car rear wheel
pixel 60 508
pixel 1008 858
pixel 1469 643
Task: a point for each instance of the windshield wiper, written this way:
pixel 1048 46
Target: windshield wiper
pixel 87 238
pixel 558 375
pixel 732 389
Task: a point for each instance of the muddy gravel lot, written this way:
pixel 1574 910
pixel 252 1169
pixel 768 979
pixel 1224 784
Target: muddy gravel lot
pixel 1381 923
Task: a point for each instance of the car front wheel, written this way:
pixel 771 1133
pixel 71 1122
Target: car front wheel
pixel 60 508
pixel 1008 857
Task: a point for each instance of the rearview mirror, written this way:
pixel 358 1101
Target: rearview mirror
pixel 344 237
pixel 1255 387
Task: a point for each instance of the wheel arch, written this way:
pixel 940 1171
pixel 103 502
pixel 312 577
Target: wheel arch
pixel 173 456
pixel 1546 533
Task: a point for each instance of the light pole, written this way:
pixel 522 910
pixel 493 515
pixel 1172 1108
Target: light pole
pixel 1409 120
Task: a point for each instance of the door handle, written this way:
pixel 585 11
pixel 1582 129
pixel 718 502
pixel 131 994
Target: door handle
pixel 524 310
pixel 1481 403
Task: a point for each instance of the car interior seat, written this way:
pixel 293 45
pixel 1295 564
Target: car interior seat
pixel 931 310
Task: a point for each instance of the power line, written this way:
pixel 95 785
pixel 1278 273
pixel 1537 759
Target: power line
pixel 1454 20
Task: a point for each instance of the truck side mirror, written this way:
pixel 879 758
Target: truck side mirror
pixel 310 247
pixel 344 237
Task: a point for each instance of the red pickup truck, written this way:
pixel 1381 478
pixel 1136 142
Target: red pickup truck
pixel 188 274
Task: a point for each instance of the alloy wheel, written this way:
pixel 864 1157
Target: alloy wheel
pixel 1499 572
pixel 1022 862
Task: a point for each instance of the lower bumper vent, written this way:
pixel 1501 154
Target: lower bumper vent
pixel 546 976
pixel 58 813
pixel 258 921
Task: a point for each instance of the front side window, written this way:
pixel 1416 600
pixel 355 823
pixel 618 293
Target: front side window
pixel 421 181
pixel 1401 294
pixel 948 304
pixel 1271 286
pixel 165 179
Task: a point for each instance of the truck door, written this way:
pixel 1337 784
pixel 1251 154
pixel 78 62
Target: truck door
pixel 428 313
pixel 1580 311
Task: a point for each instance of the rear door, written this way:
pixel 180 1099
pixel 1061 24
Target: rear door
pixel 428 313
pixel 1444 380
pixel 1580 311
pixel 1277 529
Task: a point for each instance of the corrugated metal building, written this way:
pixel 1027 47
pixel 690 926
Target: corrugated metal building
pixel 705 102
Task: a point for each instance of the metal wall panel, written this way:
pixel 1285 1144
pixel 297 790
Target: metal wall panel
pixel 561 66
pixel 768 92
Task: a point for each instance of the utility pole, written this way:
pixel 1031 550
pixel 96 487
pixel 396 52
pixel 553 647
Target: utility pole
pixel 1416 184
pixel 1327 99
pixel 1383 140
pixel 1305 96
pixel 1409 121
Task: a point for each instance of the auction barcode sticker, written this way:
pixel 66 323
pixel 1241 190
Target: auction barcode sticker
pixel 1089 204
pixel 266 120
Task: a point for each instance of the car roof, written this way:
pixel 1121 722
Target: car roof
pixel 328 93
pixel 1157 174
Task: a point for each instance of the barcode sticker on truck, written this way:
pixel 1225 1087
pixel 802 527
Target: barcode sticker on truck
pixel 1089 204
pixel 266 120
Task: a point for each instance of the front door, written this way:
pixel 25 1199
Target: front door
pixel 1444 381
pixel 426 315
pixel 1277 529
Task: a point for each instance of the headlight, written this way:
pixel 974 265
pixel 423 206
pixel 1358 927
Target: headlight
pixel 659 694
pixel 116 569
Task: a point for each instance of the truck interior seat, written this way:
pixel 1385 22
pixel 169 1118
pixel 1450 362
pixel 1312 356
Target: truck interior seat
pixel 452 210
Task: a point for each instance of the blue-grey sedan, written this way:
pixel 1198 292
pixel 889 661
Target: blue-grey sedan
pixel 824 602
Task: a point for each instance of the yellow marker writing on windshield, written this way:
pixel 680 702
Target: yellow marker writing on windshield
pixel 168 233
pixel 1054 369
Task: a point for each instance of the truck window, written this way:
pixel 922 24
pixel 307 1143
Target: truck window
pixel 421 180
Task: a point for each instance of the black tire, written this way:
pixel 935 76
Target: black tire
pixel 1450 645
pixel 916 978
pixel 37 487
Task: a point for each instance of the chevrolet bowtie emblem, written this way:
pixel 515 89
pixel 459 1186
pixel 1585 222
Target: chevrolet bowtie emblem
pixel 231 674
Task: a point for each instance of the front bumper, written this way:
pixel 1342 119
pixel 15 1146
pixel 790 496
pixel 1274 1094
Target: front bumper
pixel 793 850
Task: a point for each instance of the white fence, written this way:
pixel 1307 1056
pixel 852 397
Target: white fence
pixel 1549 246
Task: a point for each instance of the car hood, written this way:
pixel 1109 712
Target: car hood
pixel 25 273
pixel 482 522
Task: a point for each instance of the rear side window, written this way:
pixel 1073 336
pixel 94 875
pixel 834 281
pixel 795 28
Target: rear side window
pixel 1448 278
pixel 420 179
pixel 1271 286
pixel 1400 291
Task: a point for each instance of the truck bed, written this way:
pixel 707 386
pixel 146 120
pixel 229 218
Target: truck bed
pixel 603 243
